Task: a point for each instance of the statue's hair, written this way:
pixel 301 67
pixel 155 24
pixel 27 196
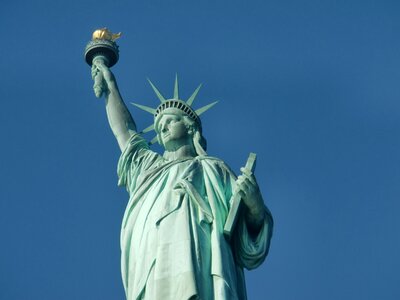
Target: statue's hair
pixel 194 127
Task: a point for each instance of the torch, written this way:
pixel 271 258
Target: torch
pixel 102 48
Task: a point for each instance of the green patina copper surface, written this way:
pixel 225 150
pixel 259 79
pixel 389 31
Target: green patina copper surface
pixel 172 237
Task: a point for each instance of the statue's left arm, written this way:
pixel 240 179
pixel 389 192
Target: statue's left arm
pixel 254 229
pixel 255 211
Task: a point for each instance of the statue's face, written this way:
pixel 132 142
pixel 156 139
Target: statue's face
pixel 173 132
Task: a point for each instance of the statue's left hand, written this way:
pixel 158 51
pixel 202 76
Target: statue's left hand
pixel 248 189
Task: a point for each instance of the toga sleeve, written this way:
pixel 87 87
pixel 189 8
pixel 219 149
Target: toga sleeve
pixel 250 251
pixel 135 159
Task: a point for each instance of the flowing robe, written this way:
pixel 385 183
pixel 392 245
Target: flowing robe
pixel 172 241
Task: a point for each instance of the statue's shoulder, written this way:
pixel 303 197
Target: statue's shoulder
pixel 216 162
pixel 210 159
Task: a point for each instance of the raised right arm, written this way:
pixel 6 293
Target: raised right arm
pixel 121 122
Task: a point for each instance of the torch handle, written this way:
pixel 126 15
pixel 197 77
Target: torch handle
pixel 98 85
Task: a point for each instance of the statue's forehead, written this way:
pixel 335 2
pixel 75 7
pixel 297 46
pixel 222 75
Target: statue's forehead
pixel 166 114
pixel 169 113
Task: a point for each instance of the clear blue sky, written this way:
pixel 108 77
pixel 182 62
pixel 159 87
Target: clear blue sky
pixel 313 87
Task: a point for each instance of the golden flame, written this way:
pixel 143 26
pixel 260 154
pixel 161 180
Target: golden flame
pixel 105 34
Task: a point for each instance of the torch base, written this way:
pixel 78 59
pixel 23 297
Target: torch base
pixel 106 48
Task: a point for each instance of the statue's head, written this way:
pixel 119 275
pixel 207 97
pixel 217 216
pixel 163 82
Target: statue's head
pixel 176 122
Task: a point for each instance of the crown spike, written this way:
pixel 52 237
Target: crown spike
pixel 176 88
pixel 159 95
pixel 153 140
pixel 205 108
pixel 145 108
pixel 191 99
pixel 148 129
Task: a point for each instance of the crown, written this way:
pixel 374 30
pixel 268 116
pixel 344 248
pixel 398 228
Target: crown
pixel 176 103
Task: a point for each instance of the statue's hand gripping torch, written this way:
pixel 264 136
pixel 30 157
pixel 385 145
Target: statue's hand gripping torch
pixel 102 49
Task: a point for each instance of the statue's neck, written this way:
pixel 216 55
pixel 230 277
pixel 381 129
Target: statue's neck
pixel 182 152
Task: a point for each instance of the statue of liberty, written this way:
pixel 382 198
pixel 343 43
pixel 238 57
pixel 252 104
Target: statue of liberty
pixel 172 237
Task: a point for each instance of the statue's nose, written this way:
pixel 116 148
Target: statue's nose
pixel 164 127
